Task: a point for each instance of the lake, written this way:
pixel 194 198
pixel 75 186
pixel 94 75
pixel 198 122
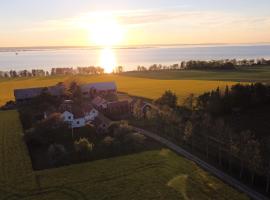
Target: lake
pixel 130 58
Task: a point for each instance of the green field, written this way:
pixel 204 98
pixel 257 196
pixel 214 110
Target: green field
pixel 247 74
pixel 146 87
pixel 159 174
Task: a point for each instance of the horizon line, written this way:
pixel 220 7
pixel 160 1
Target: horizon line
pixel 132 45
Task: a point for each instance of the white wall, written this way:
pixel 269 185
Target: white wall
pixel 91 115
pixel 67 116
pixel 77 123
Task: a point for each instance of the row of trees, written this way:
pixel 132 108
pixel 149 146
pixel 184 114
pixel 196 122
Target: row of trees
pixel 54 71
pixel 205 124
pixel 227 64
pixel 236 99
pixel 92 70
pixel 24 73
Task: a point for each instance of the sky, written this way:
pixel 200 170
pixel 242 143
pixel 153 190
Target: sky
pixel 140 22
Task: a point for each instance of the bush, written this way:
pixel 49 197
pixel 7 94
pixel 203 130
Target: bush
pixel 83 145
pixel 138 138
pixel 168 98
pixel 57 155
pixel 108 140
pixel 52 129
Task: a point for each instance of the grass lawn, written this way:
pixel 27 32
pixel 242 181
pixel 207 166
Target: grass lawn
pixel 247 74
pixel 159 174
pixel 145 87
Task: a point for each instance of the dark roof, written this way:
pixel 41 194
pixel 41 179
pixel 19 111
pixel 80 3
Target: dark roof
pixel 102 86
pixel 118 103
pixel 100 119
pixel 34 92
pixel 77 112
pixel 87 108
pixel 58 90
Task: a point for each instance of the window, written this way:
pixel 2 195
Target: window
pixel 78 122
pixel 69 117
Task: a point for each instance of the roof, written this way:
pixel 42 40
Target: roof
pixel 102 86
pixel 87 108
pixel 77 112
pixel 68 112
pixel 118 103
pixel 33 92
pixel 101 119
pixel 27 93
pixel 98 101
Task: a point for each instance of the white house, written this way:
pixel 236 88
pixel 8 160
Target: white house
pixel 90 116
pixel 67 116
pixel 80 120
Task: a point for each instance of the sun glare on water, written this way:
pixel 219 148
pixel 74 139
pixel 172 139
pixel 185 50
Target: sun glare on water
pixel 107 60
pixel 106 32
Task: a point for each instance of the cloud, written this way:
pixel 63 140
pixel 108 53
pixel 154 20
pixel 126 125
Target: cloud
pixel 179 16
pixel 179 24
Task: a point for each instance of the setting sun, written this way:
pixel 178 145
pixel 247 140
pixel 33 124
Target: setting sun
pixel 106 31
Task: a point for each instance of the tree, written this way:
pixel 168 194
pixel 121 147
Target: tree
pixel 137 110
pixel 108 140
pixel 121 130
pixel 119 69
pixel 267 171
pixel 151 114
pixel 203 101
pixel 52 129
pixel 75 92
pixel 83 147
pixel 221 131
pixel 254 160
pixel 57 154
pixel 206 127
pixel 138 138
pixel 188 133
pixel 243 153
pixel 189 102
pixel 168 98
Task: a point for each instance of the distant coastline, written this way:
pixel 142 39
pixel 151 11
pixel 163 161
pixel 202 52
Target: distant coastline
pixel 146 46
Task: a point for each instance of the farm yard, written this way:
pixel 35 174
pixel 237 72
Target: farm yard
pixel 158 174
pixel 145 87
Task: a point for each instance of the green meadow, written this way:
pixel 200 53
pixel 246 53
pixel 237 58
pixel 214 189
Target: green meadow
pixel 158 174
pixel 243 74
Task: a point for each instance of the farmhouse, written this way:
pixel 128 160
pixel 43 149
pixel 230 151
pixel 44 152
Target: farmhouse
pixel 99 103
pixel 79 118
pixel 102 123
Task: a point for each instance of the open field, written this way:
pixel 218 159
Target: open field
pixel 247 74
pixel 159 174
pixel 145 87
pixel 15 163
